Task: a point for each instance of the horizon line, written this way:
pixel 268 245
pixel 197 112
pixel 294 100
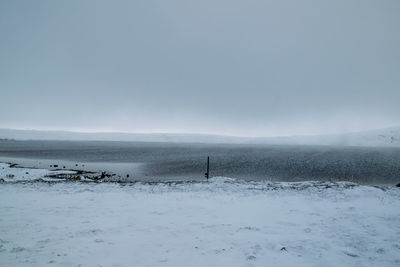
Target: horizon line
pixel 190 133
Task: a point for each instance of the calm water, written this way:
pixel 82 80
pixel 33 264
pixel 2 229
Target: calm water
pixel 161 161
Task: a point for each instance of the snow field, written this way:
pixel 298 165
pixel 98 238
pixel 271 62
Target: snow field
pixel 220 223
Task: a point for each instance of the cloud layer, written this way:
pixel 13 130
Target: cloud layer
pixel 253 68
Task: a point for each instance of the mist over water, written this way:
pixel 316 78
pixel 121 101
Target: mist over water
pixel 231 68
pixel 184 161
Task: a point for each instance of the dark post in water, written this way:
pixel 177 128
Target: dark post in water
pixel 207 174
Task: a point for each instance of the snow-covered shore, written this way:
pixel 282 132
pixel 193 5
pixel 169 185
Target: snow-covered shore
pixel 220 223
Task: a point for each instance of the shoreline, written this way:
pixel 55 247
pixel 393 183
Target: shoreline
pixel 66 175
pixel 90 170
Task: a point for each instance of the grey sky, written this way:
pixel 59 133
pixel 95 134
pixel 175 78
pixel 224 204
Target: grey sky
pixel 252 68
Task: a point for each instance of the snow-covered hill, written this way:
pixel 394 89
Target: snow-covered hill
pixel 389 137
pixel 378 137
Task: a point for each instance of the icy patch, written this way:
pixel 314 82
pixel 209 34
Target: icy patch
pixel 15 173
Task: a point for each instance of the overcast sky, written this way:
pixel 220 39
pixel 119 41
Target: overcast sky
pixel 247 68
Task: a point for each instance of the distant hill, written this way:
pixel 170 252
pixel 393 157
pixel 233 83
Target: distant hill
pixel 388 137
pixel 116 136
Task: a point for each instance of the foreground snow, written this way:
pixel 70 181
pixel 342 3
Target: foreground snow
pixel 220 223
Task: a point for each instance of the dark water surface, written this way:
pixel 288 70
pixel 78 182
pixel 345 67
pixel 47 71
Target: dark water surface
pixel 179 161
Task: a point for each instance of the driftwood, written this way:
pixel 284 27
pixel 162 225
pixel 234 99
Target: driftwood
pixel 80 175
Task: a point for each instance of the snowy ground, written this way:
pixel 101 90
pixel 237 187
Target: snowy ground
pixel 220 223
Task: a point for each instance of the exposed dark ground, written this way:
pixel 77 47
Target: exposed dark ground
pixel 184 161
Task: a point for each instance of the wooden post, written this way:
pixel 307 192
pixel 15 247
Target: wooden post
pixel 207 174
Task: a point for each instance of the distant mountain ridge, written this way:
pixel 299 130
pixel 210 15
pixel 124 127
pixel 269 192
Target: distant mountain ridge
pixel 387 137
